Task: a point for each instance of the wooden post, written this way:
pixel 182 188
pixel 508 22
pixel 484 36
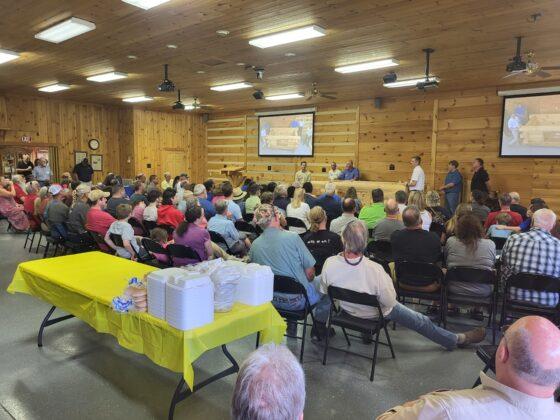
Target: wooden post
pixel 434 144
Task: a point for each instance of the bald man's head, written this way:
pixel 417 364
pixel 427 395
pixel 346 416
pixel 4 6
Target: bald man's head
pixel 391 207
pixel 544 219
pixel 528 358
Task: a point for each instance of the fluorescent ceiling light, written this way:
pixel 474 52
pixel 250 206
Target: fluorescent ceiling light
pixel 65 30
pixel 107 77
pixel 188 107
pixel 287 37
pixel 7 55
pixel 145 4
pixel 370 65
pixel 231 86
pixel 285 96
pixel 135 99
pixel 410 82
pixel 54 88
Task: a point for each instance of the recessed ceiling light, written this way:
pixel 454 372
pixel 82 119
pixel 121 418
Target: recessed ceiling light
pixel 7 55
pixel 135 99
pixel 107 77
pixel 285 96
pixel 132 57
pixel 200 72
pixel 145 4
pixel 286 37
pixel 172 46
pixel 65 30
pixel 370 65
pixel 410 82
pixel 222 32
pixel 290 54
pixel 231 86
pixel 54 87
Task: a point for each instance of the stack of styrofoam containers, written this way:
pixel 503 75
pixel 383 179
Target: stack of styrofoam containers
pixel 256 285
pixel 189 301
pixel 157 281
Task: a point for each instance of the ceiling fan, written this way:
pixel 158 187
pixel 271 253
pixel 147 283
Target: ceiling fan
pixel 196 105
pixel 517 66
pixel 316 92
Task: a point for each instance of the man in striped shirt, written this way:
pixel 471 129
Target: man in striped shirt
pixel 534 252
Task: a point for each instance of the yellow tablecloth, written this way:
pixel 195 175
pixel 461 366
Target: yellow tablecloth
pixel 85 284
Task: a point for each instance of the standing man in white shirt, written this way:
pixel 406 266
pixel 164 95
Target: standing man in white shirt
pixel 418 178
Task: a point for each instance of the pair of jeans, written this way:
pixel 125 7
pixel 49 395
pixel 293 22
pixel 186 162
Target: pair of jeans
pixel 297 302
pixel 452 201
pixel 422 325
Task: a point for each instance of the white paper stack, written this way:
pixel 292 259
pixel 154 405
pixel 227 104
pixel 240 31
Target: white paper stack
pixel 156 289
pixel 189 301
pixel 256 285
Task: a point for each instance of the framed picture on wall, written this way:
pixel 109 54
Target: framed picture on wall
pixel 79 156
pixel 97 162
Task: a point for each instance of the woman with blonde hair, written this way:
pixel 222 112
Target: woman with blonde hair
pixel 416 198
pixel 298 209
pixel 322 243
pixel 462 209
pixel 440 215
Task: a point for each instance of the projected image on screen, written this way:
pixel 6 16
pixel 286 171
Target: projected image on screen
pixel 531 125
pixel 286 135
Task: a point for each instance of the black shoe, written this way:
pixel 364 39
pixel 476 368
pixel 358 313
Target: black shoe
pixel 477 315
pixel 367 338
pixel 319 331
pixel 291 330
pixel 432 310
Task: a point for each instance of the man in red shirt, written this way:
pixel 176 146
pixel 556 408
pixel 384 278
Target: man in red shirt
pixel 98 220
pixel 505 203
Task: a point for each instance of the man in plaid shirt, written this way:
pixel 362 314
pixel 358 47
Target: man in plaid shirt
pixel 536 252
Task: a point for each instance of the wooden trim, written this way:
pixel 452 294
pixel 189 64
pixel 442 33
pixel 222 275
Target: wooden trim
pixel 357 141
pixel 434 143
pixel 227 120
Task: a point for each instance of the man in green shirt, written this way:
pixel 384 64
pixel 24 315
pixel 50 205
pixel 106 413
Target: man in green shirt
pixel 374 212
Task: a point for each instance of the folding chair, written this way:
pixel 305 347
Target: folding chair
pixel 219 240
pixel 138 227
pixel 152 247
pixel 500 242
pixel 382 250
pixel 248 217
pixel 149 225
pixel 474 276
pixel 487 354
pixel 294 222
pixel 289 285
pixel 118 241
pixel 246 227
pixel 182 251
pixel 100 243
pixel 168 228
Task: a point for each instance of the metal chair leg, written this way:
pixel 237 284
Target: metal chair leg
pixel 39 242
pixel 374 354
pixel 258 339
pixel 303 339
pixel 389 341
pixel 346 336
pixel 28 234
pixel 32 240
pixel 46 249
pixel 327 342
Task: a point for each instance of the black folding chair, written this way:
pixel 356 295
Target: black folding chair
pixel 487 354
pixel 382 250
pixel 168 228
pixel 246 227
pixel 118 241
pixel 248 217
pixel 473 276
pixel 416 274
pixel 76 243
pixel 533 282
pixel 149 225
pixel 346 321
pixel 288 285
pixel 500 242
pixel 294 222
pixel 100 243
pixel 182 251
pixel 152 247
pixel 219 240
pixel 138 227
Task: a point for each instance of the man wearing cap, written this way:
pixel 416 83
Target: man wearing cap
pixel 239 198
pixel 167 181
pixel 78 213
pixel 97 220
pixel 202 197
pixel 56 213
pixel 83 172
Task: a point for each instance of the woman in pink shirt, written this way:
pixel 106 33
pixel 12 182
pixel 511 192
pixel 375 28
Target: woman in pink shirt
pixel 190 234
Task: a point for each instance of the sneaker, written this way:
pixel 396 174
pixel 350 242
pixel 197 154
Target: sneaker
pixel 473 336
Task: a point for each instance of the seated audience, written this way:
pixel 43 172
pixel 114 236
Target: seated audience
pixel 117 197
pixel 150 213
pixel 375 211
pixel 281 199
pixel 348 214
pixel 527 374
pixel 237 242
pixel 440 215
pixel 19 186
pixel 329 203
pixel 161 237
pixel 462 209
pixel 351 193
pixel 45 199
pixel 181 200
pixel 416 198
pixel 190 234
pixel 271 187
pixel 478 205
pixel 138 210
pixel 121 227
pixel 321 242
pixel 153 183
pixel 270 385
pixel 30 204
pixel 233 208
pixel 167 181
pixel 401 197
pixel 501 228
pixel 98 220
pixel 505 202
pixel 286 254
pixel 209 185
pixel 291 189
pixel 310 199
pixel 66 196
pixel 268 198
pixel 200 193
pixel 298 209
pixel 167 214
pixel 536 204
pixel 351 270
pixel 9 208
pixel 516 206
pixel 253 201
pixel 534 252
pixel 78 213
pixel 56 213
pixel 65 180
pixel 138 194
pixel 383 229
pixel 181 184
pixel 239 198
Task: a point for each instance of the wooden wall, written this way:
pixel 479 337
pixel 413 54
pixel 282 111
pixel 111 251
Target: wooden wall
pixel 129 138
pixel 438 126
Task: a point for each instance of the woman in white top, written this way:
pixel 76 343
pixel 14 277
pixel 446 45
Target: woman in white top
pixel 299 209
pixel 150 212
pixel 416 198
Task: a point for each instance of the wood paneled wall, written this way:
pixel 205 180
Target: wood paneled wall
pixel 460 125
pixel 130 139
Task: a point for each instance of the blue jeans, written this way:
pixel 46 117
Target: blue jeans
pixel 452 201
pixel 297 302
pixel 422 325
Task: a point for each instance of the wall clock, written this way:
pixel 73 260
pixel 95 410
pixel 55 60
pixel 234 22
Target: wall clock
pixel 93 144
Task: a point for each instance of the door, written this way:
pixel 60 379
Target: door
pixel 174 162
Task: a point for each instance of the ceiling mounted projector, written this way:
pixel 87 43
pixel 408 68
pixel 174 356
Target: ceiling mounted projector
pixel 167 85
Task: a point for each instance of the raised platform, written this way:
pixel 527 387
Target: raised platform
pixel 363 188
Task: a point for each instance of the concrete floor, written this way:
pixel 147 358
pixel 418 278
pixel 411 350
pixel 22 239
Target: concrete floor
pixel 80 374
